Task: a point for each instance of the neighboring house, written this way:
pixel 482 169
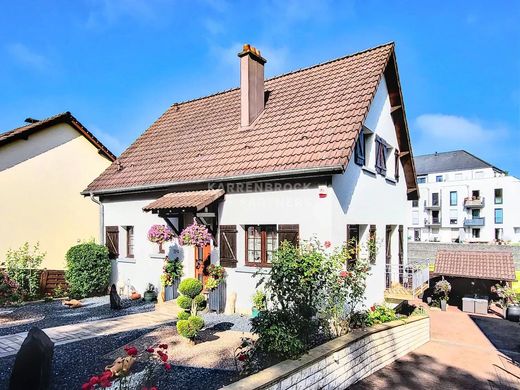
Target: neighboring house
pixel 464 199
pixel 44 166
pixel 322 151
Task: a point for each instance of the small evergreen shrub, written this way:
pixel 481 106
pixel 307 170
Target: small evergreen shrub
pixel 190 287
pixel 186 330
pixel 184 302
pixel 200 302
pixel 88 270
pixel 196 322
pixel 183 315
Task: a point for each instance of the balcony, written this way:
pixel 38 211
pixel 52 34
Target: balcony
pixel 433 206
pixel 432 221
pixel 474 202
pixel 480 221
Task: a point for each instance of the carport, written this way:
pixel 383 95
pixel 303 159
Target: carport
pixel 473 273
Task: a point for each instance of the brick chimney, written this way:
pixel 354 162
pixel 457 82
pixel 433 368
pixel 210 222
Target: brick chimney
pixel 252 98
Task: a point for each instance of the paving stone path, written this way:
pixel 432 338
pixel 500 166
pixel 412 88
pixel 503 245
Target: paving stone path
pixel 10 344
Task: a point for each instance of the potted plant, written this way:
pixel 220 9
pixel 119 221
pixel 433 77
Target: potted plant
pixel 149 294
pixel 160 234
pixel 216 287
pixel 196 235
pixel 442 289
pixel 508 301
pixel 259 303
pixel 172 272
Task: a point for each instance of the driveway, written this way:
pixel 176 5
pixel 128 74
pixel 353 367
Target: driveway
pixel 465 352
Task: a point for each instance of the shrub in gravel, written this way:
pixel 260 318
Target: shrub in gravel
pixel 200 302
pixel 190 287
pixel 190 328
pixel 196 321
pixel 22 266
pixel 88 270
pixel 183 315
pixel 184 302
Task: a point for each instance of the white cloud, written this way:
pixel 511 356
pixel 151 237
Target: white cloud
pixel 27 57
pixel 106 12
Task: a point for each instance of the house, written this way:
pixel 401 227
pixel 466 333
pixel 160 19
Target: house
pixel 464 199
pixel 44 166
pixel 319 152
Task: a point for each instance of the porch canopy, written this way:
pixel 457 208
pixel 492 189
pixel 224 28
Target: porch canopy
pixel 490 265
pixel 189 200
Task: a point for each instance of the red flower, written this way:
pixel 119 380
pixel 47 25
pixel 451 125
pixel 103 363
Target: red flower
pixel 86 386
pixel 154 388
pixel 132 351
pixel 343 274
pixel 94 380
pixel 327 244
pixel 106 375
pixel 372 308
pixel 163 346
pixel 150 350
pixel 167 366
pixel 242 357
pixel 164 357
pixel 105 383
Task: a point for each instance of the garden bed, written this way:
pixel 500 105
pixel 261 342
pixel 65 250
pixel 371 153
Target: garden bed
pixel 51 314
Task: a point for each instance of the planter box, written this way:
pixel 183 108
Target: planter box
pixel 217 298
pixel 175 287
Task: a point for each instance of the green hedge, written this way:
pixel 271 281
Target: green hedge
pixel 88 270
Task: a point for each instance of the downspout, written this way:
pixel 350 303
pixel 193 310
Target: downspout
pixel 101 218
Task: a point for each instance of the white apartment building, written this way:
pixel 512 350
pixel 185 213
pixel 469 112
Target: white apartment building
pixel 464 199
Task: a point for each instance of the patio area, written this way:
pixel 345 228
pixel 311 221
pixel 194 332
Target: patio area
pixel 465 352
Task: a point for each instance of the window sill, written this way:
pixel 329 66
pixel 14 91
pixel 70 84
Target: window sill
pixel 126 260
pixel 369 171
pixel 391 181
pixel 253 270
pixel 158 255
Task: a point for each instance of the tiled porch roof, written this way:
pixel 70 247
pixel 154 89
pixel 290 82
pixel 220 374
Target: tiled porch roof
pixel 478 265
pixel 185 200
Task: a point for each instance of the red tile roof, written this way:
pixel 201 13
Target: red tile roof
pixel 184 200
pixel 311 120
pixel 496 265
pixel 65 117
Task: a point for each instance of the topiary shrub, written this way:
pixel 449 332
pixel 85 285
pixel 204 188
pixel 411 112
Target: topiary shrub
pixel 88 270
pixel 200 302
pixel 191 300
pixel 184 302
pixel 183 315
pixel 190 287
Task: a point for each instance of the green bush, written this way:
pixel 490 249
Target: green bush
pixel 22 266
pixel 184 302
pixel 190 287
pixel 88 270
pixel 200 302
pixel 196 322
pixel 183 315
pixel 185 329
pixel 381 313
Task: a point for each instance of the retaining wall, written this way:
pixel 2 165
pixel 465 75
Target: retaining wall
pixel 342 362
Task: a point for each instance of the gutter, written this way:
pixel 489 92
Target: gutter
pixel 101 218
pixel 151 187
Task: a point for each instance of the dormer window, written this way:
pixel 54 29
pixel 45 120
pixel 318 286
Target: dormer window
pixel 363 147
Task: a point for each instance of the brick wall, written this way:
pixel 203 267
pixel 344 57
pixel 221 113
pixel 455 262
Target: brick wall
pixel 341 362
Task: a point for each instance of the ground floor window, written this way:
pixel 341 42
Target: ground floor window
pixel 499 232
pixel 475 233
pixel 261 244
pixel 129 241
pixel 353 235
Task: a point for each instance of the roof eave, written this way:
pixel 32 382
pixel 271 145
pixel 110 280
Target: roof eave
pixel 268 175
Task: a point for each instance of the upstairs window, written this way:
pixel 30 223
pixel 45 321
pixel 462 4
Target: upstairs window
pixel 499 216
pixel 438 178
pixel 381 155
pixel 453 198
pixel 396 172
pixel 498 196
pixel 359 152
pixel 421 180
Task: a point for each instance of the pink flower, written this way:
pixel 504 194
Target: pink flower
pixel 343 274
pixel 372 308
pixel 327 244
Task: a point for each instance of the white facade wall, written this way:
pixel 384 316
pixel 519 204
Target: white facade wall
pixel 464 183
pixel 356 197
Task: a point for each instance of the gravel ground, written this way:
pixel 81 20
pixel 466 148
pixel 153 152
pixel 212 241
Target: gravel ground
pixel 50 314
pixel 74 363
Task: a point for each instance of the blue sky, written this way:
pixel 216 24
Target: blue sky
pixel 118 65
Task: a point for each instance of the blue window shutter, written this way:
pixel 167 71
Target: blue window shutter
pixel 359 151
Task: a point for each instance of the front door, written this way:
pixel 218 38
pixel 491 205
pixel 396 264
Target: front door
pixel 202 260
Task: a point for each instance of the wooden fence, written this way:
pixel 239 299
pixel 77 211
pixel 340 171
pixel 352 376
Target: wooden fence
pixel 50 279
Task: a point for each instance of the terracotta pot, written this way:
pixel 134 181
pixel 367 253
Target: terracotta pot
pixel 135 296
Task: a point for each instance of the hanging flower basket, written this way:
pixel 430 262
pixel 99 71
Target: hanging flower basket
pixel 160 234
pixel 195 234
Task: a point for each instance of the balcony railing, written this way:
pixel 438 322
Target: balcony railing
pixel 432 221
pixel 480 221
pixel 407 280
pixel 474 202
